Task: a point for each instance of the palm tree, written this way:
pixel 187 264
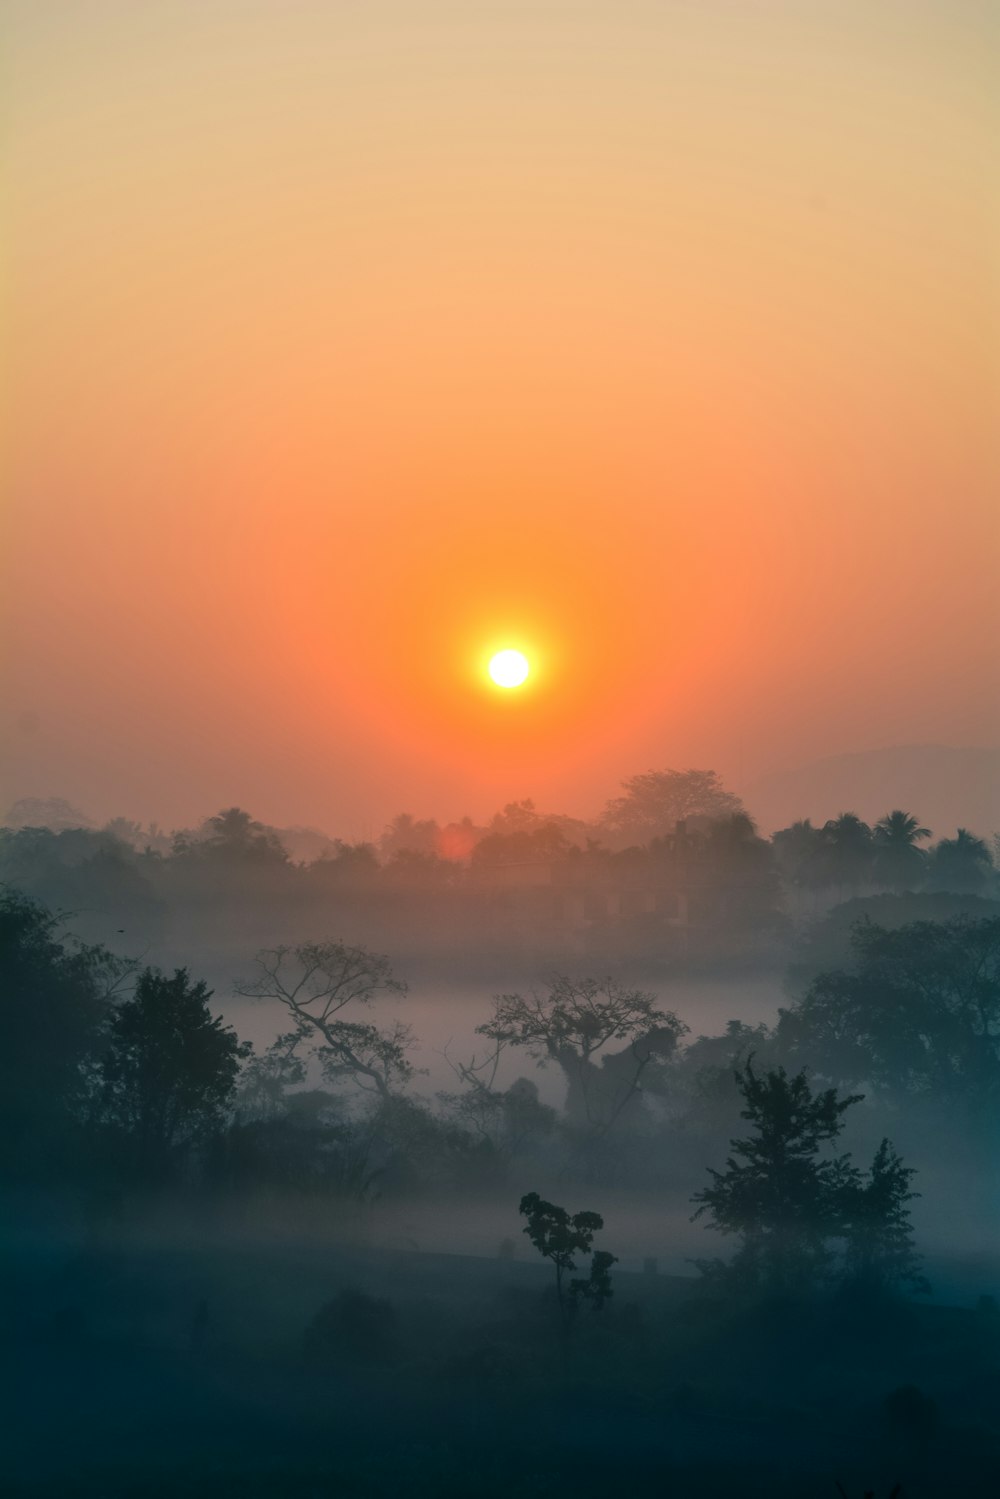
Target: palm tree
pixel 800 851
pixel 961 863
pixel 848 843
pixel 899 863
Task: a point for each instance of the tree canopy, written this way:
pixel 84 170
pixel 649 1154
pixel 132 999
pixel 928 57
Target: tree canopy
pixel 654 802
pixel 56 993
pixel 916 1013
pixel 168 1072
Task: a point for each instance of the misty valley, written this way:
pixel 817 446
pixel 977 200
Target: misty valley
pixel 527 1158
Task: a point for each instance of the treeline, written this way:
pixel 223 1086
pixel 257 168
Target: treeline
pixel 118 1080
pixel 674 871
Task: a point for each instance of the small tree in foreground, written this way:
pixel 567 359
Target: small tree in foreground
pixel 559 1237
pixel 786 1201
pixel 776 1192
pixel 879 1255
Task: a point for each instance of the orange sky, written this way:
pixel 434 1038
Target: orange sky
pixel 658 339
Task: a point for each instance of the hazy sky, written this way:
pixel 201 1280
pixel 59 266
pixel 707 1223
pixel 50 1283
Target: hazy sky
pixel 353 340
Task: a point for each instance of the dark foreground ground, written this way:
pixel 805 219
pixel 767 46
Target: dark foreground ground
pixel 145 1369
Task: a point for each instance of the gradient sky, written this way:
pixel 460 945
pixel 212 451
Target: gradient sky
pixel 352 340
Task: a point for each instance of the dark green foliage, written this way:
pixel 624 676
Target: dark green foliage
pixel 596 1287
pixel 306 1143
pixel 777 1194
pixel 55 993
pixel 92 875
pixel 788 1203
pixel 878 1240
pixel 559 1237
pixel 503 1123
pixel 900 862
pixel 168 1072
pixel 847 851
pixel 960 863
pixel 707 1075
pixel 918 1013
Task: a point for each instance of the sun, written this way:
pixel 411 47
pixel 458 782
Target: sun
pixel 509 668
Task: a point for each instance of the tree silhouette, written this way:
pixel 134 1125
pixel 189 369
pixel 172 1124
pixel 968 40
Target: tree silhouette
pixel 572 1024
pixel 656 800
pixel 316 982
pixel 778 1194
pixel 742 869
pixel 918 1013
pixel 801 854
pixel 407 834
pixel 879 1254
pixel 543 842
pixel 848 851
pixel 504 1121
pixel 559 1237
pixel 962 863
pixel 234 834
pixel 169 1070
pixel 56 995
pixel 899 862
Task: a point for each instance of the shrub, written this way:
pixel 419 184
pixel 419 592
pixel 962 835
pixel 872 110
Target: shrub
pixel 353 1324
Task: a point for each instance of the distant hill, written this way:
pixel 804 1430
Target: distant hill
pixel 945 787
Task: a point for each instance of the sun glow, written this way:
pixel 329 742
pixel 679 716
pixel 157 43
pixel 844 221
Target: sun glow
pixel 509 668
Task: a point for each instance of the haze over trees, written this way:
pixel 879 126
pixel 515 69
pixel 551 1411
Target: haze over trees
pixel 791 1204
pixel 316 983
pixel 604 1037
pixel 675 873
pixel 382 1200
pixel 916 1016
pixel 166 1074
pixel 653 803
pixel 151 1107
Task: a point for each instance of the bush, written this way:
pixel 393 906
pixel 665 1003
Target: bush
pixel 354 1325
pixel 908 1412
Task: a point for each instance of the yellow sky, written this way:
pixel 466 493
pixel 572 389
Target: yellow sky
pixel 658 339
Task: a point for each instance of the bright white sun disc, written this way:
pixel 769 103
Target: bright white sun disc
pixel 509 668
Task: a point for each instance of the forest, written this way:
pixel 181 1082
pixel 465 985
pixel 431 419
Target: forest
pixel 758 1258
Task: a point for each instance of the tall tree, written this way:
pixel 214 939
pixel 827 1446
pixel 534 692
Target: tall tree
pixel 168 1073
pixel 899 860
pixel 559 1237
pixel 962 863
pixel 655 801
pixel 778 1194
pixel 879 1252
pixel 800 851
pixel 56 994
pixel 408 834
pixel 916 1014
pixel 316 982
pixel 741 868
pixel 848 851
pixel 234 834
pixel 574 1023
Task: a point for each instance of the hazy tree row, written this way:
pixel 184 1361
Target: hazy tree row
pixel 119 1079
pixel 526 893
